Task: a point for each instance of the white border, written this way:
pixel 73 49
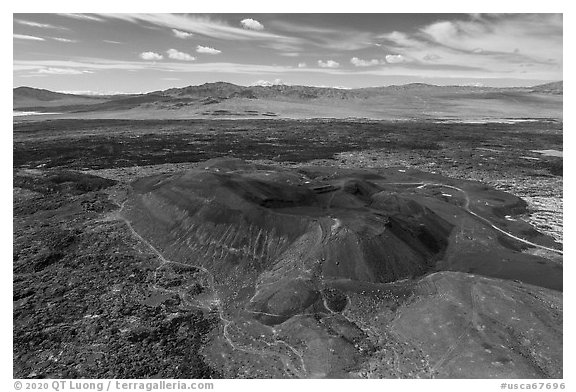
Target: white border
pixel 294 6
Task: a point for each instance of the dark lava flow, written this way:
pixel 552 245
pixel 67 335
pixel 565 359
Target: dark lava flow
pixel 325 272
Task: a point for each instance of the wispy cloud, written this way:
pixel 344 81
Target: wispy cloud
pixel 26 66
pixel 328 64
pixel 521 33
pixel 79 64
pixel 27 37
pixel 437 65
pixel 177 55
pixel 64 39
pixel 84 17
pixel 503 47
pixel 339 39
pixel 182 34
pixel 62 71
pixel 365 63
pixel 252 24
pixel 39 25
pixel 203 25
pixel 207 50
pixel 512 44
pixel 151 56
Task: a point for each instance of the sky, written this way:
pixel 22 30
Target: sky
pixel 135 53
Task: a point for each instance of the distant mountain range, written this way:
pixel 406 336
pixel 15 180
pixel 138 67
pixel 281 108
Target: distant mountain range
pixel 227 99
pixel 549 88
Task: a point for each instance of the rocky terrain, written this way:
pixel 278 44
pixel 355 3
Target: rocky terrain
pixel 324 272
pixel 343 249
pixel 81 303
pixel 315 272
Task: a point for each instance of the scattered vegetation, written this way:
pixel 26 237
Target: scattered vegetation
pixel 101 144
pixel 62 181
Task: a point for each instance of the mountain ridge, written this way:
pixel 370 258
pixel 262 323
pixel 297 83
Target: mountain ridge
pixel 217 99
pixel 48 95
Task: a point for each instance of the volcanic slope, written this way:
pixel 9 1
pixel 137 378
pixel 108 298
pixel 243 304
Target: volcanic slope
pixel 325 272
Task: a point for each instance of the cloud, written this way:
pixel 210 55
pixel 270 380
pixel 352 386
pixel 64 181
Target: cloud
pixel 203 25
pixel 207 26
pixel 338 39
pixel 538 36
pixel 64 39
pixel 495 45
pixel 302 65
pixel 396 58
pixel 431 57
pixel 39 25
pixel 252 24
pixel 328 64
pixel 84 17
pixel 207 50
pixel 111 42
pixel 182 34
pixel 62 71
pixel 176 55
pixel 397 38
pixel 151 56
pixel 284 48
pixel 27 37
pixel 21 67
pixel 266 83
pixel 414 69
pixel 365 63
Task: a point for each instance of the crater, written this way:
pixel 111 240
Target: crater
pixel 320 267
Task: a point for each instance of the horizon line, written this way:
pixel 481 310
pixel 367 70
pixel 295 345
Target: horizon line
pixel 271 84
